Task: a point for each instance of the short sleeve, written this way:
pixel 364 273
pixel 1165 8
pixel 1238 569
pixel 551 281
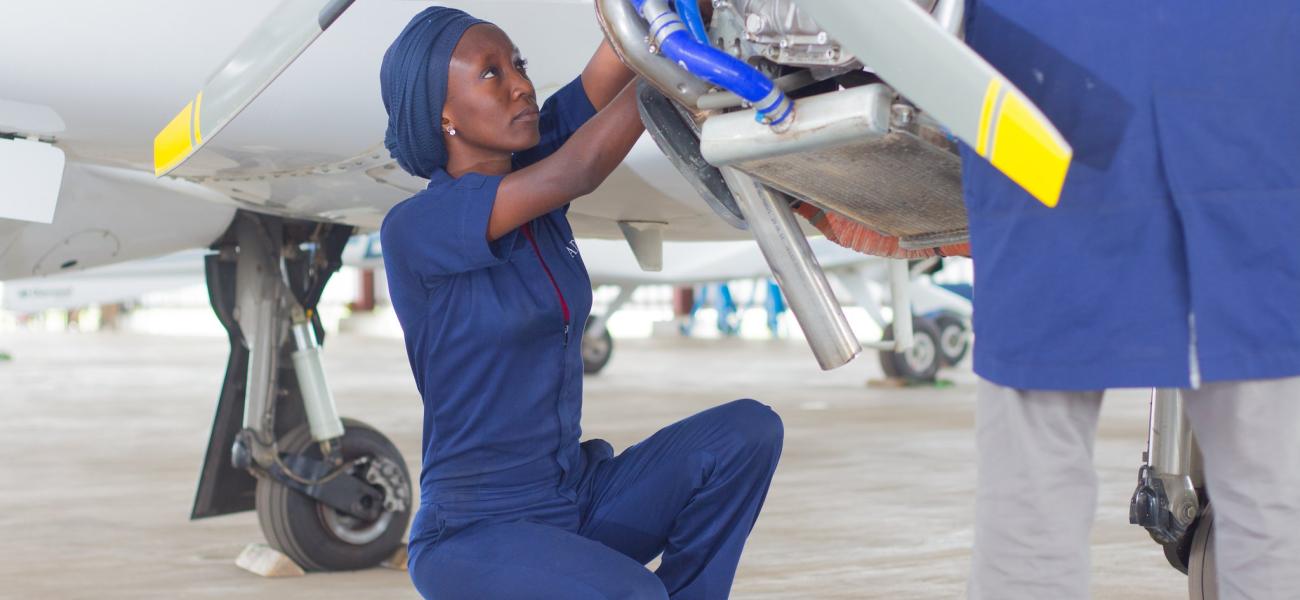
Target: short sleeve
pixel 562 114
pixel 443 230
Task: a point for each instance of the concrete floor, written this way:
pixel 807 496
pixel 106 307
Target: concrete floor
pixel 102 437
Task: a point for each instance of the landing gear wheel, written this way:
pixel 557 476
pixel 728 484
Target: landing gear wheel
pixel 1202 573
pixel 919 364
pixel 320 538
pixel 1179 553
pixel 954 338
pixel 596 350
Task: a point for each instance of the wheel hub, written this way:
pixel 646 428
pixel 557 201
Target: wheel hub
pixel 953 340
pixel 384 474
pixel 351 529
pixel 593 349
pixel 921 355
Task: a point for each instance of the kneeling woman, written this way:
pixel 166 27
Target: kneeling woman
pixel 492 295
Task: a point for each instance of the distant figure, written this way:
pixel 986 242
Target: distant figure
pixel 110 316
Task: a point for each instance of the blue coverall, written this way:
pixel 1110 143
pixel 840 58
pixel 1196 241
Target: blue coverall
pixel 511 504
pixel 1171 261
pixel 1172 258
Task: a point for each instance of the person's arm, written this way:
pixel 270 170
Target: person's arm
pixel 575 170
pixel 605 76
pixel 572 105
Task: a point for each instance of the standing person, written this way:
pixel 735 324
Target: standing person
pixel 492 295
pixel 1171 261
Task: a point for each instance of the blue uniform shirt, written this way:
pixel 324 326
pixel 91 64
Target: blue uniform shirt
pixel 1172 256
pixel 495 360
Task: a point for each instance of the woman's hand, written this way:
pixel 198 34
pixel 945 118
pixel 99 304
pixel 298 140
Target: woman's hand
pixel 605 76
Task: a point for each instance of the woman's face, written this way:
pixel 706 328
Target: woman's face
pixel 490 100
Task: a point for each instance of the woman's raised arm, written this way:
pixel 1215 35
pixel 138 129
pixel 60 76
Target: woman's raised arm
pixel 575 170
pixel 605 76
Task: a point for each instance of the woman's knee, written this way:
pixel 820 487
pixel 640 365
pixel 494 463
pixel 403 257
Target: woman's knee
pixel 646 586
pixel 756 422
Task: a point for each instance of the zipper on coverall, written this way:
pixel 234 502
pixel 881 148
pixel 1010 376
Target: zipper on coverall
pixel 564 306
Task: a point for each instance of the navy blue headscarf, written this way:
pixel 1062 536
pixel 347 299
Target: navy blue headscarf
pixel 413 81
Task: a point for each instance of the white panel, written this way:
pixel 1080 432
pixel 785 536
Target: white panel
pixel 31 174
pixel 109 215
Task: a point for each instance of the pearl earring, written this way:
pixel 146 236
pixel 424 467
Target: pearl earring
pixel 451 131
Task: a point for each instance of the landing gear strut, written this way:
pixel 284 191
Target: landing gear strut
pixel 330 493
pixel 1170 499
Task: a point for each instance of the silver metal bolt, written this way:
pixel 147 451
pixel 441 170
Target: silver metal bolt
pixel 901 115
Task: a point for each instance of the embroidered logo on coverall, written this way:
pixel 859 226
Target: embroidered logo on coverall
pixel 572 247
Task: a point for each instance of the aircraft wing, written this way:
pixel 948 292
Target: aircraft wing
pixel 311 144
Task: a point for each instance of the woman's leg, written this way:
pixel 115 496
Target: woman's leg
pixel 691 491
pixel 529 561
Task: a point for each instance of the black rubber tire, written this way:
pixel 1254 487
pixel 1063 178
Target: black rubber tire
pixel 954 338
pixel 1179 553
pixel 596 351
pixel 923 365
pixel 1202 570
pixel 294 523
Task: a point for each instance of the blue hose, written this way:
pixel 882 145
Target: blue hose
pixel 689 11
pixel 713 65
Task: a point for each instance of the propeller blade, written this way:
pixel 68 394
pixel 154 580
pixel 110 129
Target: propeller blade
pixel 945 78
pixel 271 48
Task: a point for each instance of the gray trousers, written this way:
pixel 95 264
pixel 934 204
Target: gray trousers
pixel 1037 488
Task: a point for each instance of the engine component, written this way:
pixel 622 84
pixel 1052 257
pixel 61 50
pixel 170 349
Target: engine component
pixel 627 34
pixel 781 32
pixel 710 64
pixel 826 120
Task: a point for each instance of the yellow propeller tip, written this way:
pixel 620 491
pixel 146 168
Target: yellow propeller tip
pixel 177 140
pixel 1023 145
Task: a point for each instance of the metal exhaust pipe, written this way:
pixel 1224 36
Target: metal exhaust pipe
pixel 951 15
pixel 628 35
pixel 796 269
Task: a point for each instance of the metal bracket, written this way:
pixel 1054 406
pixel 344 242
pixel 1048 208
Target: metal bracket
pixel 323 481
pixel 646 238
pixel 1166 505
